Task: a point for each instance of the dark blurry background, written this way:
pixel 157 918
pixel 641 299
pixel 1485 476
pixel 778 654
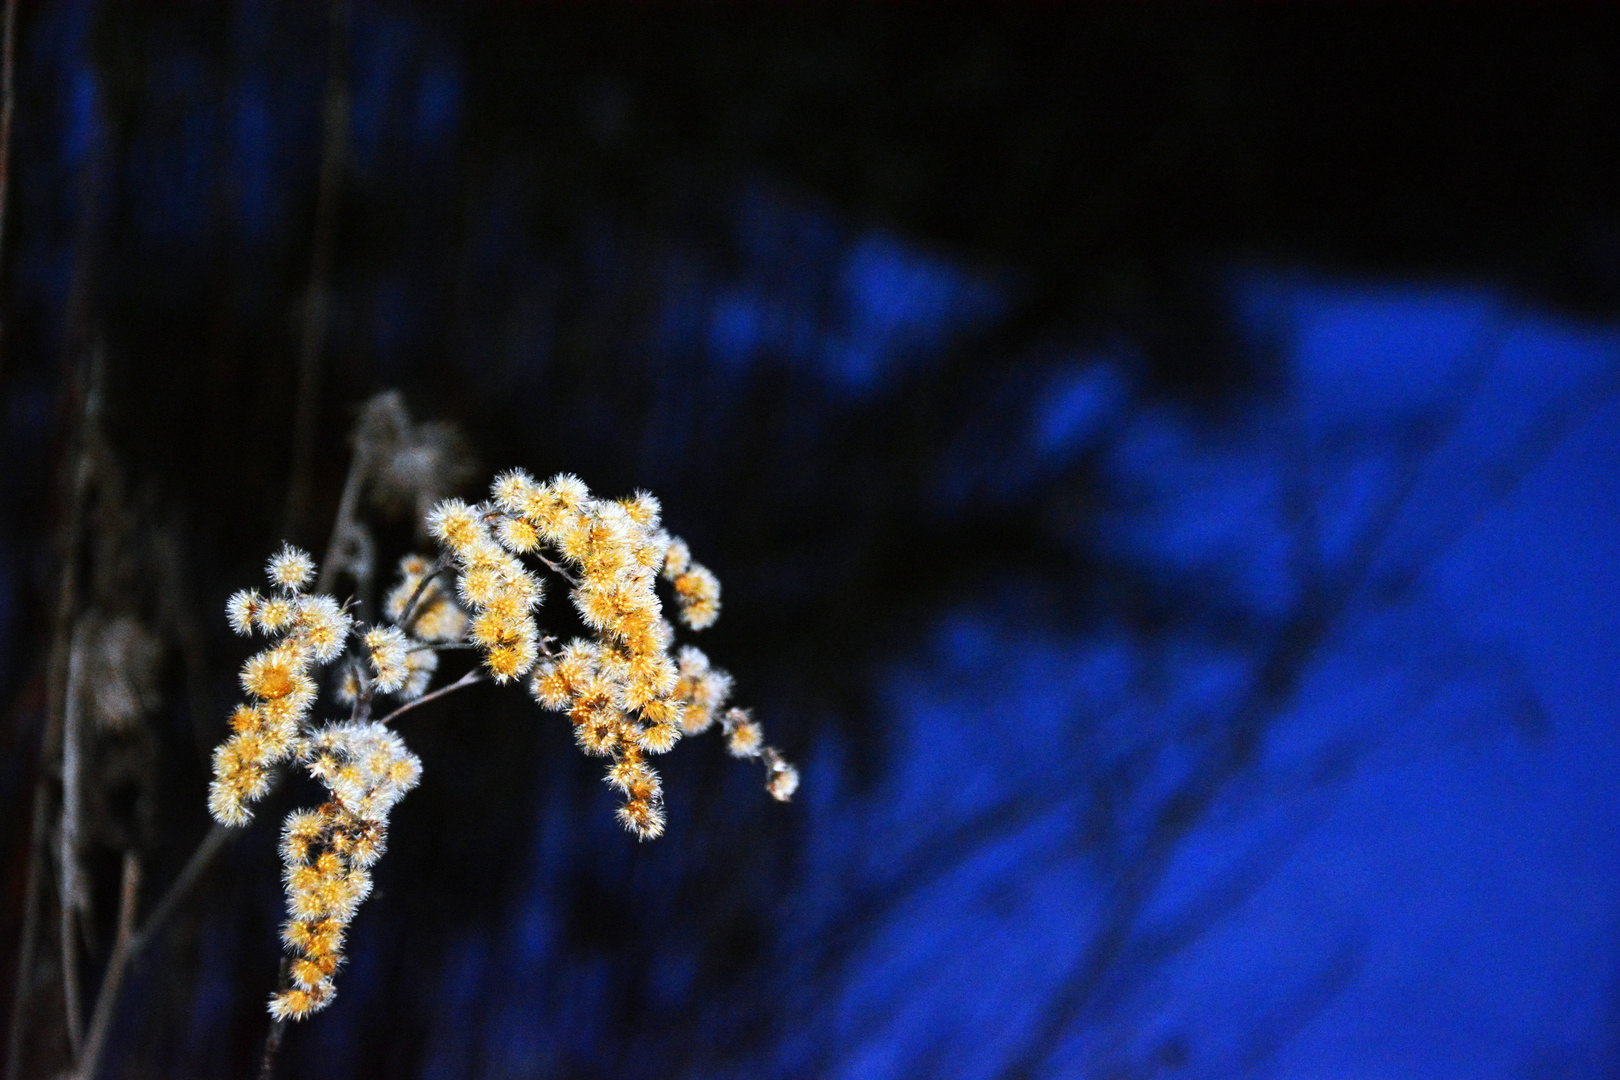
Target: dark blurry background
pixel 1161 465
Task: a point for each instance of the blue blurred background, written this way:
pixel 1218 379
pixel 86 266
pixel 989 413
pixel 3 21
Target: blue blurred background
pixel 1162 467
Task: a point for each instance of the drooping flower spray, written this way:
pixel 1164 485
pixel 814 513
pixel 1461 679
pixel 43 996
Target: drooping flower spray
pixel 629 693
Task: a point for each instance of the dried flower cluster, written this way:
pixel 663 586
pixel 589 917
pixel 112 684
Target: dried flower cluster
pixel 621 688
pixel 325 853
pixel 495 587
pixel 310 630
pixel 628 695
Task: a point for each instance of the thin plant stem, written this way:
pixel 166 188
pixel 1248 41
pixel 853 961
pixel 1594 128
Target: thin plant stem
pixel 210 846
pixel 272 1043
pixel 317 302
pixel 344 523
pixel 407 617
pixel 76 481
pixel 112 979
pixel 71 893
pixel 66 945
pixel 278 1028
pixel 472 678
pixel 8 104
pixel 30 931
pixel 557 568
pixel 131 942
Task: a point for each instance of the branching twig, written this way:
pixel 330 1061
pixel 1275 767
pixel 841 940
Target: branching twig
pixel 407 617
pixel 448 646
pixel 1483 354
pixel 131 942
pixel 472 678
pixel 557 568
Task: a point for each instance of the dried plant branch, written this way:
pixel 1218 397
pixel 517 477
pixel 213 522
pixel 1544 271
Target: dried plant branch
pixel 346 522
pixel 1313 624
pixel 408 620
pixel 472 678
pixel 71 896
pixel 210 846
pixel 1482 355
pixel 131 942
pixel 558 569
pixel 23 987
pixel 448 646
pixel 58 692
pixel 629 696
pixel 272 1043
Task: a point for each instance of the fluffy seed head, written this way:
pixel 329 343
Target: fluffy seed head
pixel 420 664
pixel 274 614
pixel 512 490
pixel 781 778
pixel 299 1003
pixel 598 734
pixel 569 491
pixel 549 687
pixel 644 818
pixel 697 594
pixel 275 673
pixel 677 559
pixel 507 661
pixel 478 586
pixel 323 625
pixel 643 509
pixel 455 524
pixel 227 804
pixel 348 687
pixel 783 782
pixel 627 773
pixel 440 620
pixel 290 568
pixel 658 738
pixel 241 609
pixel 246 718
pixel 743 737
pixel 517 534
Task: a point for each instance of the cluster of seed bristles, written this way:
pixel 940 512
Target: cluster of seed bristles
pixel 627 693
pixel 325 853
pixel 621 688
pixel 312 630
